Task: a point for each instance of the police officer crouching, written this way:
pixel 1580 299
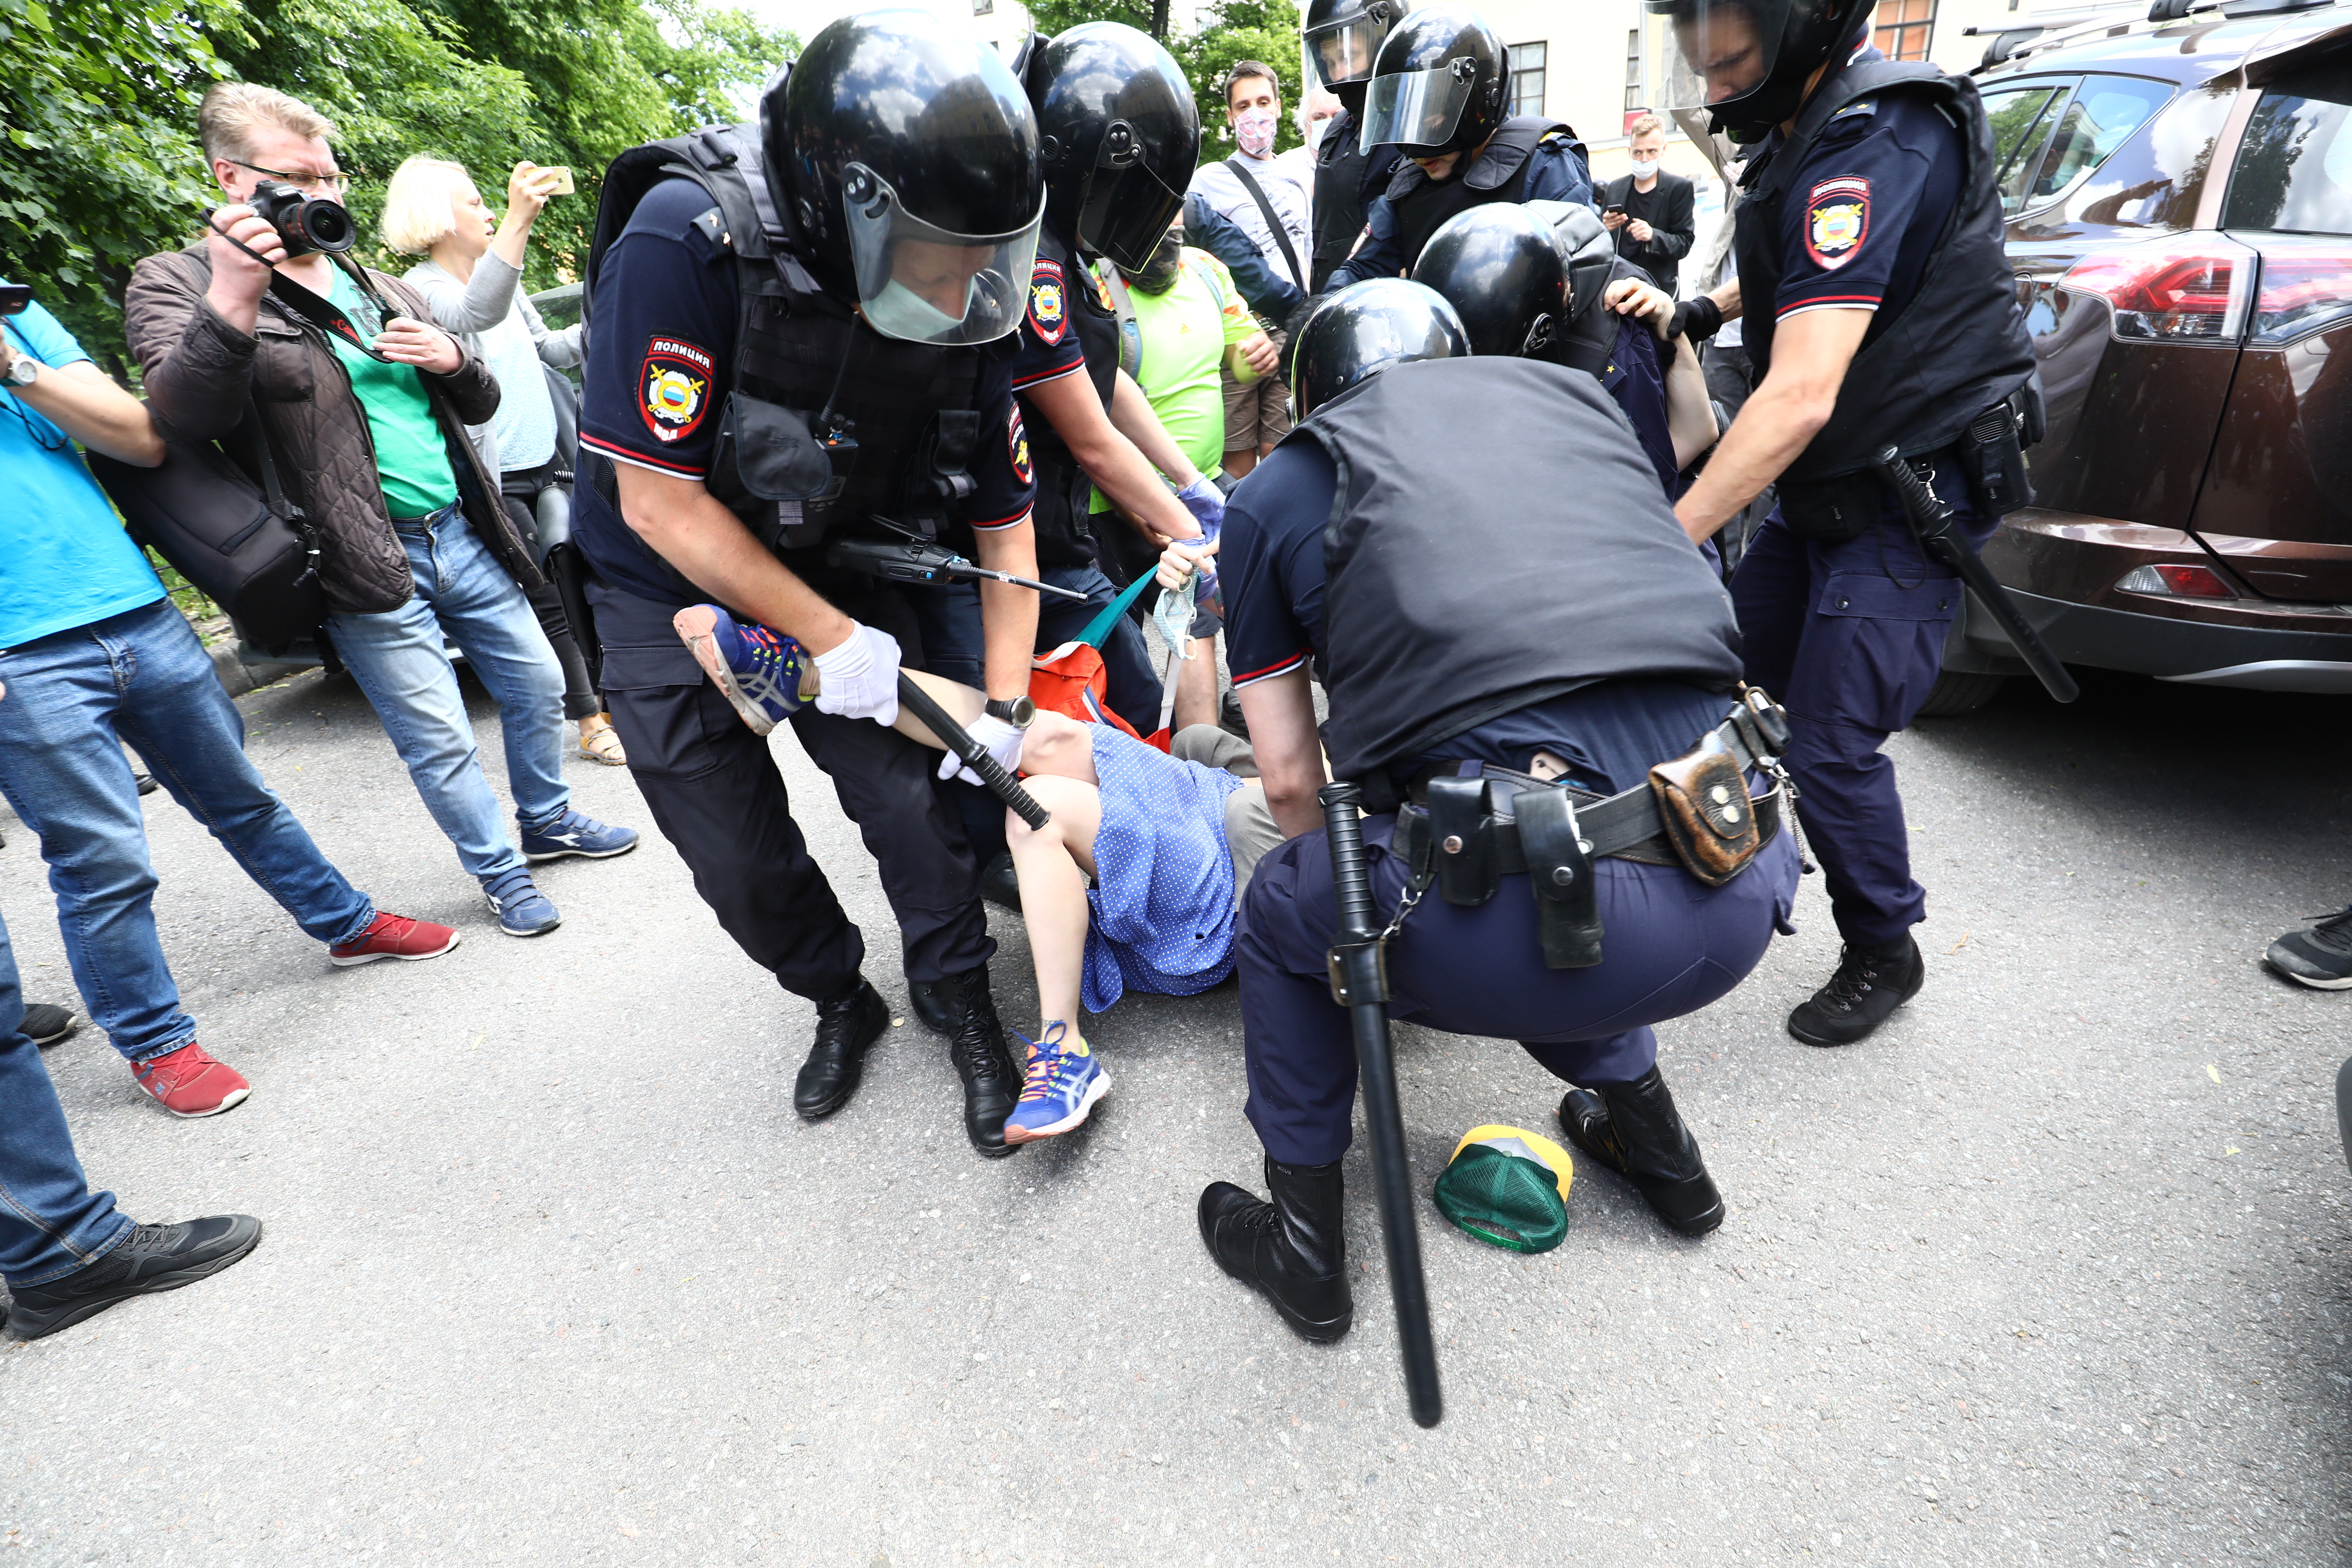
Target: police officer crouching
pixel 1511 633
pixel 789 342
pixel 1880 312
pixel 1437 93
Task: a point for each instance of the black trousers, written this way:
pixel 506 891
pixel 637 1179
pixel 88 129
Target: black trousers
pixel 519 491
pixel 718 797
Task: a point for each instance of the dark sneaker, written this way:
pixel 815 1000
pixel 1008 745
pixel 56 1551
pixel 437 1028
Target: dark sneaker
pixel 153 1258
pixel 522 910
pixel 572 834
pixel 2319 956
pixel 1869 985
pixel 846 1023
pixel 1062 1081
pixel 763 675
pixel 48 1023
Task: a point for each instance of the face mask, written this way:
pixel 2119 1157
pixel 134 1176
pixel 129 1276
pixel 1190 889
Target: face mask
pixel 1158 275
pixel 1315 132
pixel 900 312
pixel 1255 131
pixel 1645 167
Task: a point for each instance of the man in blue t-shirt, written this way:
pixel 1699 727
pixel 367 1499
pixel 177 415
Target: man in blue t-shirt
pixel 92 649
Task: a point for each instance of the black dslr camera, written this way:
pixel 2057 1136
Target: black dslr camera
pixel 304 224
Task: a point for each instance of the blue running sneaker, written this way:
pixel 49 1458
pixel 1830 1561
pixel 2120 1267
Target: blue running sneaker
pixel 522 910
pixel 767 676
pixel 572 834
pixel 1063 1079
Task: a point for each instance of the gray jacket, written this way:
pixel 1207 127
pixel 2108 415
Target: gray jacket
pixel 465 310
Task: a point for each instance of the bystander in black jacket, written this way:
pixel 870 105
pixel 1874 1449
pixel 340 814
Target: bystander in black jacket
pixel 1666 207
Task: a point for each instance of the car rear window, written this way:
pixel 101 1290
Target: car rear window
pixel 2103 112
pixel 2295 166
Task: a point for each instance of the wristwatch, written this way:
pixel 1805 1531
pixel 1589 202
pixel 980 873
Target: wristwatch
pixel 22 370
pixel 1017 712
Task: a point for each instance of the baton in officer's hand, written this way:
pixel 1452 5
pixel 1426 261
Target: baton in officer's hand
pixel 1360 983
pixel 976 757
pixel 1931 520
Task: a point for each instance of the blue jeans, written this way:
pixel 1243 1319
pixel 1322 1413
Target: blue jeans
pixel 50 1222
pixel 399 660
pixel 142 676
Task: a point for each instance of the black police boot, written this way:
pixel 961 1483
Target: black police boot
pixel 1635 1131
pixel 1293 1250
pixel 999 884
pixel 991 1084
pixel 1869 985
pixel 929 998
pixel 847 1021
pixel 150 1259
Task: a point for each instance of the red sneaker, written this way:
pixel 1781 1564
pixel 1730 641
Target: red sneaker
pixel 394 936
pixel 187 1082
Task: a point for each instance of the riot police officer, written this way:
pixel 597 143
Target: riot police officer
pixel 1503 724
pixel 1343 39
pixel 1438 92
pixel 790 338
pixel 1879 310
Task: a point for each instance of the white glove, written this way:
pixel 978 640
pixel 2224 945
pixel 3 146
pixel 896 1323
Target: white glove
pixel 1003 744
pixel 859 679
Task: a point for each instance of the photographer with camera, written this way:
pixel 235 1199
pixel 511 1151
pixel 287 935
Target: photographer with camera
pixel 94 654
pixel 364 406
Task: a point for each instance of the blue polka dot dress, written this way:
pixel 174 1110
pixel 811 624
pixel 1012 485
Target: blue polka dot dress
pixel 1163 894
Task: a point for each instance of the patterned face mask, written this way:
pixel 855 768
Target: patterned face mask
pixel 1253 129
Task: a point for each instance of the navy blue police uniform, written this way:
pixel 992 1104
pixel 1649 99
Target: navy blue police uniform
pixel 1069 329
pixel 1530 159
pixel 1652 673
pixel 658 372
pixel 1849 633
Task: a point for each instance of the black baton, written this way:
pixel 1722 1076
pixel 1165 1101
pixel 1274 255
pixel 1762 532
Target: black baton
pixel 1360 982
pixel 975 756
pixel 1931 520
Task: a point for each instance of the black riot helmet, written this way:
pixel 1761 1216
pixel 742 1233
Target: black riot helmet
pixel 1344 37
pixel 1365 328
pixel 1437 84
pixel 1502 273
pixel 1746 62
pixel 1121 135
pixel 1587 250
pixel 905 153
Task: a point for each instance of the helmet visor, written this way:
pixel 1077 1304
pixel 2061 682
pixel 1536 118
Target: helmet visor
pixel 1417 109
pixel 924 284
pixel 1343 51
pixel 1127 211
pixel 1709 53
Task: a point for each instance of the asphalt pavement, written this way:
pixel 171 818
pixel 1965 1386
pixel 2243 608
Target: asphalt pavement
pixel 2051 1272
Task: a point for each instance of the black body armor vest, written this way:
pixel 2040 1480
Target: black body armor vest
pixel 830 423
pixel 1340 167
pixel 1063 491
pixel 1465 579
pixel 1956 348
pixel 1499 174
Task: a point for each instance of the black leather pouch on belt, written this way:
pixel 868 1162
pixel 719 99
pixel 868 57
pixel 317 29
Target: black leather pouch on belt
pixel 1703 803
pixel 1568 909
pixel 1832 511
pixel 1463 829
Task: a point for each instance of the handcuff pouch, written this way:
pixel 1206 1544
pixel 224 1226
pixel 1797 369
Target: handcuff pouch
pixel 1560 867
pixel 1704 806
pixel 1463 830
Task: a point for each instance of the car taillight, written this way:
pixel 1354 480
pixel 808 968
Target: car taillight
pixel 2175 583
pixel 2303 288
pixel 2170 293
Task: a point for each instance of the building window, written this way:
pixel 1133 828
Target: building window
pixel 1904 28
pixel 1633 104
pixel 983 8
pixel 1526 78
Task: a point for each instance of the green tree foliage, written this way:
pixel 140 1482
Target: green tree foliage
pixel 1231 31
pixel 99 163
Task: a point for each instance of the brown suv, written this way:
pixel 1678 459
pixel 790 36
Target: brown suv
pixel 2180 204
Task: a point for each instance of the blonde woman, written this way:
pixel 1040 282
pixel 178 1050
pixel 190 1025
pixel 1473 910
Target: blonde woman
pixel 473 284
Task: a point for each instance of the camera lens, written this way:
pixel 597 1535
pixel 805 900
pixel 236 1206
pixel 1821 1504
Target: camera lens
pixel 328 225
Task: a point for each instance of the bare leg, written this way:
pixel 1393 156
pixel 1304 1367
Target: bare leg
pixel 1240 461
pixel 1196 687
pixel 1054 864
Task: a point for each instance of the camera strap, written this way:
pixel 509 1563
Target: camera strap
pixel 312 309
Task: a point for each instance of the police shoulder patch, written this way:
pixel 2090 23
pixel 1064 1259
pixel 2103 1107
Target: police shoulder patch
pixel 1016 446
pixel 674 387
pixel 1837 221
pixel 1049 305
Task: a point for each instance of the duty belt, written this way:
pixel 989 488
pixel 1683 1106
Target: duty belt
pixel 1465 833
